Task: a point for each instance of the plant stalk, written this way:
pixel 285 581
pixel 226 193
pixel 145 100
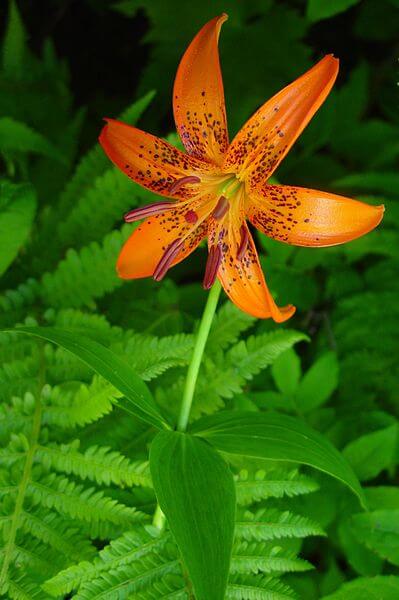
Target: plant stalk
pixel 196 358
pixel 192 374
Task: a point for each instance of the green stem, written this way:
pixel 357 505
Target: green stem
pixel 195 363
pixel 192 374
pixel 23 484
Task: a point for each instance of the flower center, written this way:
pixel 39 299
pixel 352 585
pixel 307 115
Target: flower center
pixel 230 187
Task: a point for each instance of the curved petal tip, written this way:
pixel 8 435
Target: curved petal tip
pixel 283 313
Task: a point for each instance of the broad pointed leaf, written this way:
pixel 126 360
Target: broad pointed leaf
pixel 195 490
pixel 274 436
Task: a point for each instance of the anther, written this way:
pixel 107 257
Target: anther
pixel 167 258
pixel 242 248
pixel 176 185
pixel 191 216
pixel 147 211
pixel 221 208
pixel 212 266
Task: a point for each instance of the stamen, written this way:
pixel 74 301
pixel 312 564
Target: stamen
pixel 212 266
pixel 176 185
pixel 221 208
pixel 242 248
pixel 191 216
pixel 147 211
pixel 167 259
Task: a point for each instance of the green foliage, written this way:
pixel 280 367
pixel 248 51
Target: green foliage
pixel 145 562
pixel 17 206
pixel 187 474
pixel 276 437
pixel 76 496
pixel 323 9
pixel 385 588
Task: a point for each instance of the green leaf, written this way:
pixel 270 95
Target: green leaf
pixel 14 43
pixel 372 453
pixel 382 496
pixel 274 436
pixel 15 136
pixel 380 588
pixel 318 383
pixel 17 209
pixel 139 399
pixel 286 371
pixel 323 9
pixel 195 490
pixel 379 531
pixel 364 561
pixel 381 182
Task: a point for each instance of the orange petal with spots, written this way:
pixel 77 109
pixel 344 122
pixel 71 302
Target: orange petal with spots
pixel 244 283
pixel 198 97
pixel 150 161
pixel 268 135
pixel 304 217
pixel 144 249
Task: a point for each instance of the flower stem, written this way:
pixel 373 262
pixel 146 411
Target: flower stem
pixel 192 375
pixel 195 363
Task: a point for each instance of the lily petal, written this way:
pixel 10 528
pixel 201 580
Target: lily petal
pixel 244 283
pixel 268 135
pixel 198 97
pixel 149 160
pixel 305 217
pixel 146 246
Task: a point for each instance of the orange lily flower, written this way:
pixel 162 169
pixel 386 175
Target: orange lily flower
pixel 216 186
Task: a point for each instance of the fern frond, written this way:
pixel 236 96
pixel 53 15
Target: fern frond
pixel 227 375
pixel 62 366
pixel 21 586
pixel 133 579
pixel 14 347
pixel 95 162
pixel 56 532
pixel 86 504
pixel 265 558
pixel 258 587
pixel 14 302
pixel 260 485
pixel 258 352
pixel 99 464
pixel 85 275
pixel 151 356
pixel 131 547
pixel 18 376
pixel 79 405
pixel 90 324
pixel 104 203
pixel 268 524
pixel 34 557
pixel 15 451
pixel 171 587
pixel 227 326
